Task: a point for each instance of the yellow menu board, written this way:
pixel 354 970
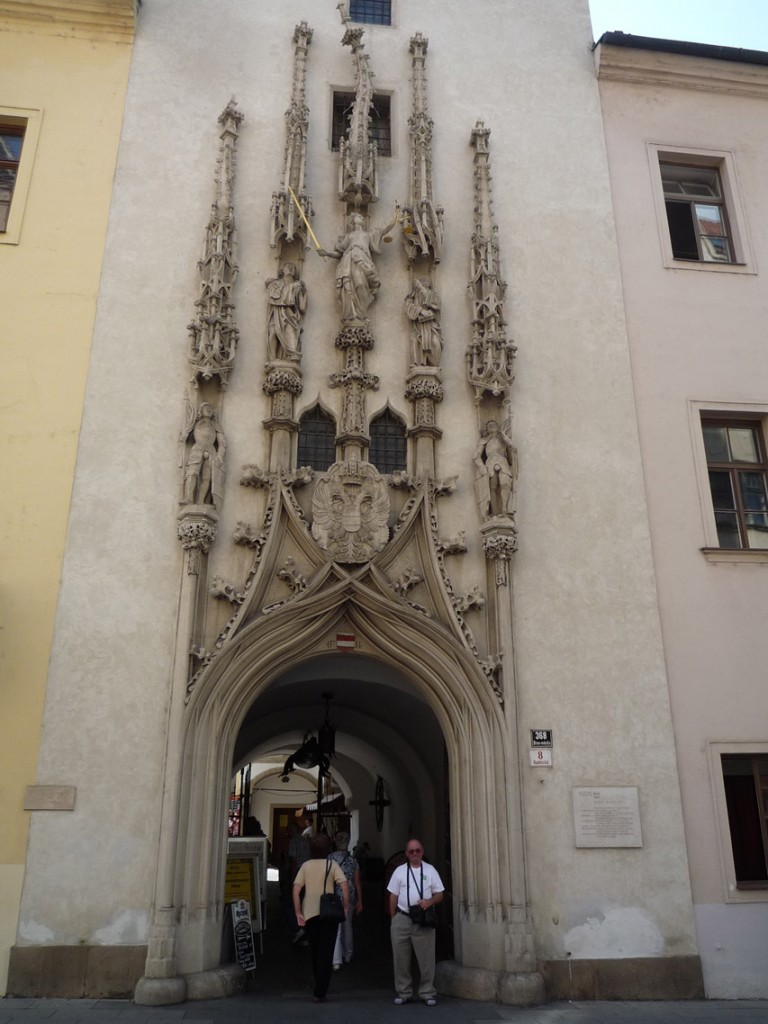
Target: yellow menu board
pixel 239 883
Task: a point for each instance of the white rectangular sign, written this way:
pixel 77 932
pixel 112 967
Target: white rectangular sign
pixel 541 758
pixel 606 816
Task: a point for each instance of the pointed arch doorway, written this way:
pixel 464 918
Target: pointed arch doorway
pixel 388 742
pixel 493 937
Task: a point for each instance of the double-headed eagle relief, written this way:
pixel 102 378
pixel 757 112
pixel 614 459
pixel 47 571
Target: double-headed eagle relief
pixel 350 510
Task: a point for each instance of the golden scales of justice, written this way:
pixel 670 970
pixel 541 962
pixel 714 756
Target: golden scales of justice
pixel 408 230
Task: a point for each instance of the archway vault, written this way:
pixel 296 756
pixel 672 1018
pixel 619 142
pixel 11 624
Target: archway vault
pixel 436 667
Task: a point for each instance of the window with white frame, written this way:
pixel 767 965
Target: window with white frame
pixel 701 217
pixel 19 132
pixel 11 142
pixel 745 781
pixel 737 470
pixel 696 213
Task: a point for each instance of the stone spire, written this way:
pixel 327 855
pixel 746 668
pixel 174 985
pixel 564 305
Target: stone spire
pixel 213 334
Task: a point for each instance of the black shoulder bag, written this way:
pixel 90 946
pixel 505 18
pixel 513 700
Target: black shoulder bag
pixel 331 907
pixel 425 918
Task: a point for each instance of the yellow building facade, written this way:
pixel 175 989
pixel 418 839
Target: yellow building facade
pixel 63 74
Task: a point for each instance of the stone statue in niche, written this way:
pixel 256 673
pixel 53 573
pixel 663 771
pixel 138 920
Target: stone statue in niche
pixel 350 508
pixel 495 459
pixel 357 282
pixel 204 467
pixel 287 297
pixel 422 307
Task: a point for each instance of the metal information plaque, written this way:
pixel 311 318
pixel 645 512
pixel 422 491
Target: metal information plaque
pixel 606 816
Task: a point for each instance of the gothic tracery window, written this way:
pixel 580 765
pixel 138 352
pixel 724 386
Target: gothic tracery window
pixel 317 440
pixel 388 443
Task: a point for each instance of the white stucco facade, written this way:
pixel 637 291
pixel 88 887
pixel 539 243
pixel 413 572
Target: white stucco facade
pixel 139 860
pixel 697 337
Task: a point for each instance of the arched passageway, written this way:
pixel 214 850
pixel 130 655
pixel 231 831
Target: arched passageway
pixel 385 731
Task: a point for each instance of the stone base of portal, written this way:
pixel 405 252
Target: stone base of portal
pixel 219 983
pixel 523 989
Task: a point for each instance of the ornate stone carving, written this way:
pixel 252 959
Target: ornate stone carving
pixel 287 221
pixel 213 335
pixel 472 599
pixel 350 509
pixel 290 574
pixel 424 387
pixel 495 461
pixel 491 667
pixel 354 337
pixel 246 536
pixel 255 476
pixel 206 448
pixel 196 529
pixel 222 589
pixel 406 581
pixel 403 481
pixel 283 379
pixel 456 545
pixel 422 307
pixel 422 220
pixel 287 303
pixel 357 282
pixel 299 477
pixel 490 354
pixel 500 543
pixel 358 155
pixel 442 488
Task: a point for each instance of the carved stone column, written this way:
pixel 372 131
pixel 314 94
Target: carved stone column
pixel 283 383
pixel 424 388
pixel 161 985
pixel 353 438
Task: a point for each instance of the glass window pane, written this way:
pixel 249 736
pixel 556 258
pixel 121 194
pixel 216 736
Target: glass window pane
pixel 721 488
pixel 10 145
pixel 743 444
pixel 753 494
pixel 716 443
pixel 715 250
pixel 711 227
pixel 757 529
pixel 691 181
pixel 727 530
pixel 317 440
pixel 388 443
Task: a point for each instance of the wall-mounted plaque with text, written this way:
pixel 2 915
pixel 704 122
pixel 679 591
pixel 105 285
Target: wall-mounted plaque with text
pixel 606 816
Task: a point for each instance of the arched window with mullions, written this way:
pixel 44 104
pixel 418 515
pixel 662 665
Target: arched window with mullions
pixel 317 440
pixel 388 442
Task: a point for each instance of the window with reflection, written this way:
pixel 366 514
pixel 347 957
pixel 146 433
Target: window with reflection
pixel 388 443
pixel 696 214
pixel 11 141
pixel 317 440
pixel 737 481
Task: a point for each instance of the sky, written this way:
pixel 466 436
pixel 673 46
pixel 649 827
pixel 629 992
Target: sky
pixel 741 23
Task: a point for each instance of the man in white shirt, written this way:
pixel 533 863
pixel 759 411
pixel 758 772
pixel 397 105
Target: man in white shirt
pixel 414 885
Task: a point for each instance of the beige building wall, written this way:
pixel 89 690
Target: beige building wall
pixel 698 341
pixel 63 69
